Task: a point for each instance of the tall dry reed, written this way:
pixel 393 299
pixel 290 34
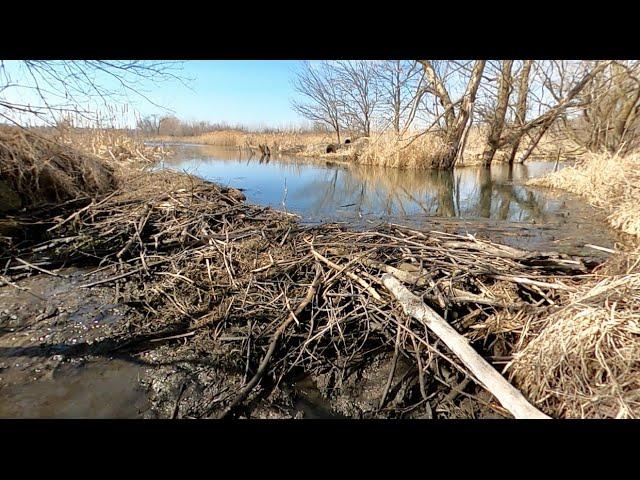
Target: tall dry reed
pixel 607 181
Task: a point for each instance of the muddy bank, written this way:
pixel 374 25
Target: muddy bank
pixel 48 325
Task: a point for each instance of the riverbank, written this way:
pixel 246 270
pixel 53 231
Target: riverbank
pixel 609 182
pixel 413 150
pixel 230 304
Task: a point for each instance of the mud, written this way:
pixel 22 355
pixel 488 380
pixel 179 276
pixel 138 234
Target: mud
pixel 45 326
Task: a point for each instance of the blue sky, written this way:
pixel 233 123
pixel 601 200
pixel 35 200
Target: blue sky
pixel 254 93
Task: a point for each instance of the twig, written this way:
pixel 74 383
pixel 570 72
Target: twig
pixel 272 346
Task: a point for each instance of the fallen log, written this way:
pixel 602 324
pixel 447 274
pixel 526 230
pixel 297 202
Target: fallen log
pixel 508 396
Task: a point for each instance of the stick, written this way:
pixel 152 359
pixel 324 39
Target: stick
pixel 507 395
pixel 262 368
pixel 351 275
pixel 528 281
pixel 40 269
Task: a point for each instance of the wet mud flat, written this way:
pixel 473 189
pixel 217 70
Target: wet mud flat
pixel 48 328
pixel 201 305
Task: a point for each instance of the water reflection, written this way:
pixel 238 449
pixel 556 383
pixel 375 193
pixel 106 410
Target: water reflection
pixel 340 192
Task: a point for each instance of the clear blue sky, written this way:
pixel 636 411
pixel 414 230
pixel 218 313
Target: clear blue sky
pixel 253 93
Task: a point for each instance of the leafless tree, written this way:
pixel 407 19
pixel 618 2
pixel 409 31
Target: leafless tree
pixel 48 89
pixel 359 90
pixel 499 113
pixel 521 107
pixel 149 124
pixel 318 86
pixel 610 115
pixel 565 89
pixel 455 118
pixel 399 82
pixel 170 125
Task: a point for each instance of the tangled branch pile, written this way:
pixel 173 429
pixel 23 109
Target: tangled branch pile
pixel 269 299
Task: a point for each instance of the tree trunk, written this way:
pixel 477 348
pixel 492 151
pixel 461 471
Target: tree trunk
pixel 521 107
pixel 508 396
pixel 495 133
pixel 441 92
pixel 455 133
pixel 536 139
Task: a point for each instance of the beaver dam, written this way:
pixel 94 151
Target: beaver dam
pixel 222 308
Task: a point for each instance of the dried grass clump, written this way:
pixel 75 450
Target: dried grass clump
pixel 40 170
pixel 387 150
pixel 111 145
pixel 586 362
pixel 606 181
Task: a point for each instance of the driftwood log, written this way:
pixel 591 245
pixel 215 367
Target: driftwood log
pixel 509 397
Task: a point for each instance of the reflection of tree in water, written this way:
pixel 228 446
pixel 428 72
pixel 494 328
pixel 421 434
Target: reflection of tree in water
pixel 464 192
pixel 445 187
pixel 359 189
pixel 485 186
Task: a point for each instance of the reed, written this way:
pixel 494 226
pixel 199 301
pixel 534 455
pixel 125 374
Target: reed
pixel 606 181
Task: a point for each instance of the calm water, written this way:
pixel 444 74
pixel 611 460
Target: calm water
pixel 322 191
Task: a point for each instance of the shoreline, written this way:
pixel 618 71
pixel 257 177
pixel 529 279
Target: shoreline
pixel 218 287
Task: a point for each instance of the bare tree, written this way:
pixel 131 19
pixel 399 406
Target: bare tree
pixel 399 84
pixel 48 89
pixel 565 93
pixel 521 107
pixel 497 123
pixel 321 95
pixel 149 124
pixel 170 125
pixel 610 112
pixel 359 92
pixel 455 119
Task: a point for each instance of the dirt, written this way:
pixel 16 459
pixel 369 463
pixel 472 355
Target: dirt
pixel 45 327
pixel 48 325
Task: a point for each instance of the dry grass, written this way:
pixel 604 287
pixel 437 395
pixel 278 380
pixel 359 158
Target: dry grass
pixel 43 168
pixel 584 359
pixel 283 142
pixel 415 150
pixel 585 362
pixel 606 181
pixel 111 145
pixel 40 170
